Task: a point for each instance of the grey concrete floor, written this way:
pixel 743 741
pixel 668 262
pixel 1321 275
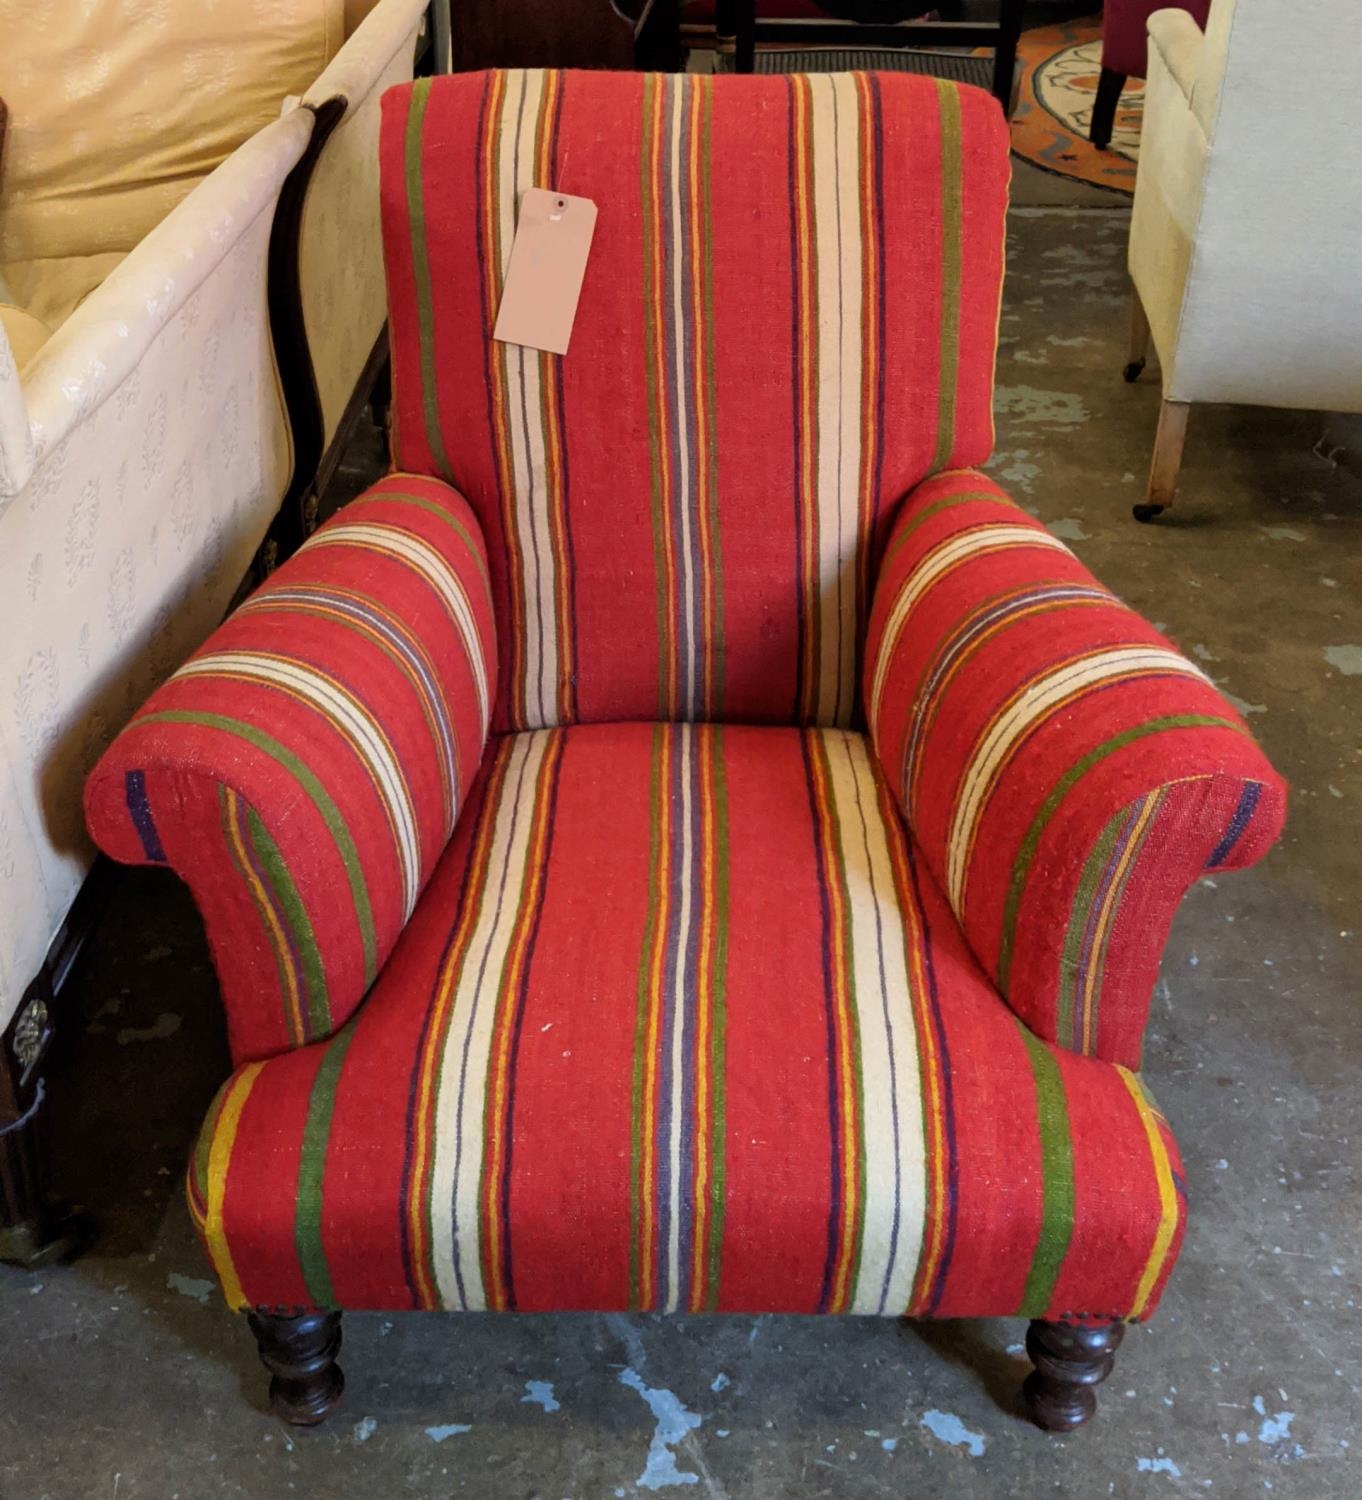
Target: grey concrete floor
pixel 122 1375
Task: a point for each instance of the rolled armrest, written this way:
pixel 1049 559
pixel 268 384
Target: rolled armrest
pixel 303 771
pixel 1066 772
pixel 1177 39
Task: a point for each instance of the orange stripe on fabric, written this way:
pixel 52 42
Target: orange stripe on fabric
pixel 1168 1198
pixel 497 1126
pixel 704 998
pixel 870 326
pixel 219 1165
pixel 697 95
pixel 648 1229
pixel 428 1082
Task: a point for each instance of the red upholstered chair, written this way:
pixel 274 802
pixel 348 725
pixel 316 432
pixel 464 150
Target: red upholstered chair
pixel 686 840
pixel 1125 54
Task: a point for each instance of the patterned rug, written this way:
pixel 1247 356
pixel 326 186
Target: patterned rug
pixel 1060 67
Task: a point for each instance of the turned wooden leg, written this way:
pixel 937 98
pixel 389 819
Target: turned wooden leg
pixel 1167 460
pixel 1109 86
pixel 1060 1393
pixel 300 1354
pixel 1139 338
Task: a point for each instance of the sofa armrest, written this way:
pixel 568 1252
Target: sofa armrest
pixel 1177 39
pixel 1067 774
pixel 303 771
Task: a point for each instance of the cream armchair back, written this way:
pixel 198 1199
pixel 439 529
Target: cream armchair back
pixel 142 459
pixel 1246 235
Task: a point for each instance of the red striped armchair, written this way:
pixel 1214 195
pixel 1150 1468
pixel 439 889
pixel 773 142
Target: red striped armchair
pixel 686 841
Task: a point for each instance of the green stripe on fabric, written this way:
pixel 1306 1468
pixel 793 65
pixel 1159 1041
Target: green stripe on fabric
pixel 307 1220
pixel 1027 852
pixel 422 503
pixel 965 497
pixel 1072 952
pixel 420 270
pixel 639 1143
pixel 321 799
pixel 711 399
pixel 718 1051
pixel 294 913
pixel 654 388
pixel 952 252
pixel 1057 1179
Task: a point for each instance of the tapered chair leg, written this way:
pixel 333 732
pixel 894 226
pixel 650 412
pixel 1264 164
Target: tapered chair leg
pixel 1109 87
pixel 1071 1362
pixel 1167 460
pixel 1139 339
pixel 300 1354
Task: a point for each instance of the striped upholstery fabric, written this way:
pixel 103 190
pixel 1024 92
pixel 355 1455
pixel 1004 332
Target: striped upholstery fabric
pixel 1068 774
pixel 682 1023
pixel 787 321
pixel 303 771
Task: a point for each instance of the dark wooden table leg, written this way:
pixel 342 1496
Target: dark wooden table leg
pixel 1071 1362
pixel 1005 52
pixel 300 1354
pixel 1109 86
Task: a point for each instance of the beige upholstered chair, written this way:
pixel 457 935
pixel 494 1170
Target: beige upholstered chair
pixel 1246 239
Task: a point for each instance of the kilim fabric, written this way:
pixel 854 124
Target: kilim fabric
pixel 788 320
pixel 303 771
pixel 1067 773
pixel 683 1023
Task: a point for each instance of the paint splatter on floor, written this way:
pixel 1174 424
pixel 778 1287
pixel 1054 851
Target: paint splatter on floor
pixel 449 1430
pixel 950 1429
pixel 719 1383
pixel 1068 529
pixel 1024 403
pixel 190 1286
pixel 1159 1465
pixel 540 1393
pixel 165 1025
pixel 1348 659
pixel 365 1429
pixel 673 1423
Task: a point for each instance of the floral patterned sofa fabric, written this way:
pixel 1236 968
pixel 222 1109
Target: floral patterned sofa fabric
pixel 340 245
pixel 141 460
pixel 304 770
pixel 119 109
pixel 711 1001
pixel 1068 773
pixel 787 320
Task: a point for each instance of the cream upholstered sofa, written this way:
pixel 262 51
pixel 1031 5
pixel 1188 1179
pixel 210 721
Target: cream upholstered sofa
pixel 149 436
pixel 1246 236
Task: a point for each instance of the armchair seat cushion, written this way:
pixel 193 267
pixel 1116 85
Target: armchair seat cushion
pixel 681 1022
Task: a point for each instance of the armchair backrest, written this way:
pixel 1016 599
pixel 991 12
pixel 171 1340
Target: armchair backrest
pixel 788 320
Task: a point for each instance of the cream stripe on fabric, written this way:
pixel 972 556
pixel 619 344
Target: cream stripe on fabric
pixel 335 702
pixel 442 578
pixel 954 550
pixel 1032 704
pixel 836 151
pixel 460 1110
pixel 895 1187
pixel 525 414
pixel 679 94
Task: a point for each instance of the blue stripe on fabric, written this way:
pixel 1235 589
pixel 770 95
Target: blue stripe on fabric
pixel 139 809
pixel 1243 816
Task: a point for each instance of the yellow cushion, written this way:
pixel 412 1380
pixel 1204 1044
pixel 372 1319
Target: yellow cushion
pixel 118 107
pixel 52 289
pixel 25 333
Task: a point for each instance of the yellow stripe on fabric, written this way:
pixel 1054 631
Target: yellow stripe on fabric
pixel 1168 1197
pixel 219 1163
pixel 952 254
pixel 806 371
